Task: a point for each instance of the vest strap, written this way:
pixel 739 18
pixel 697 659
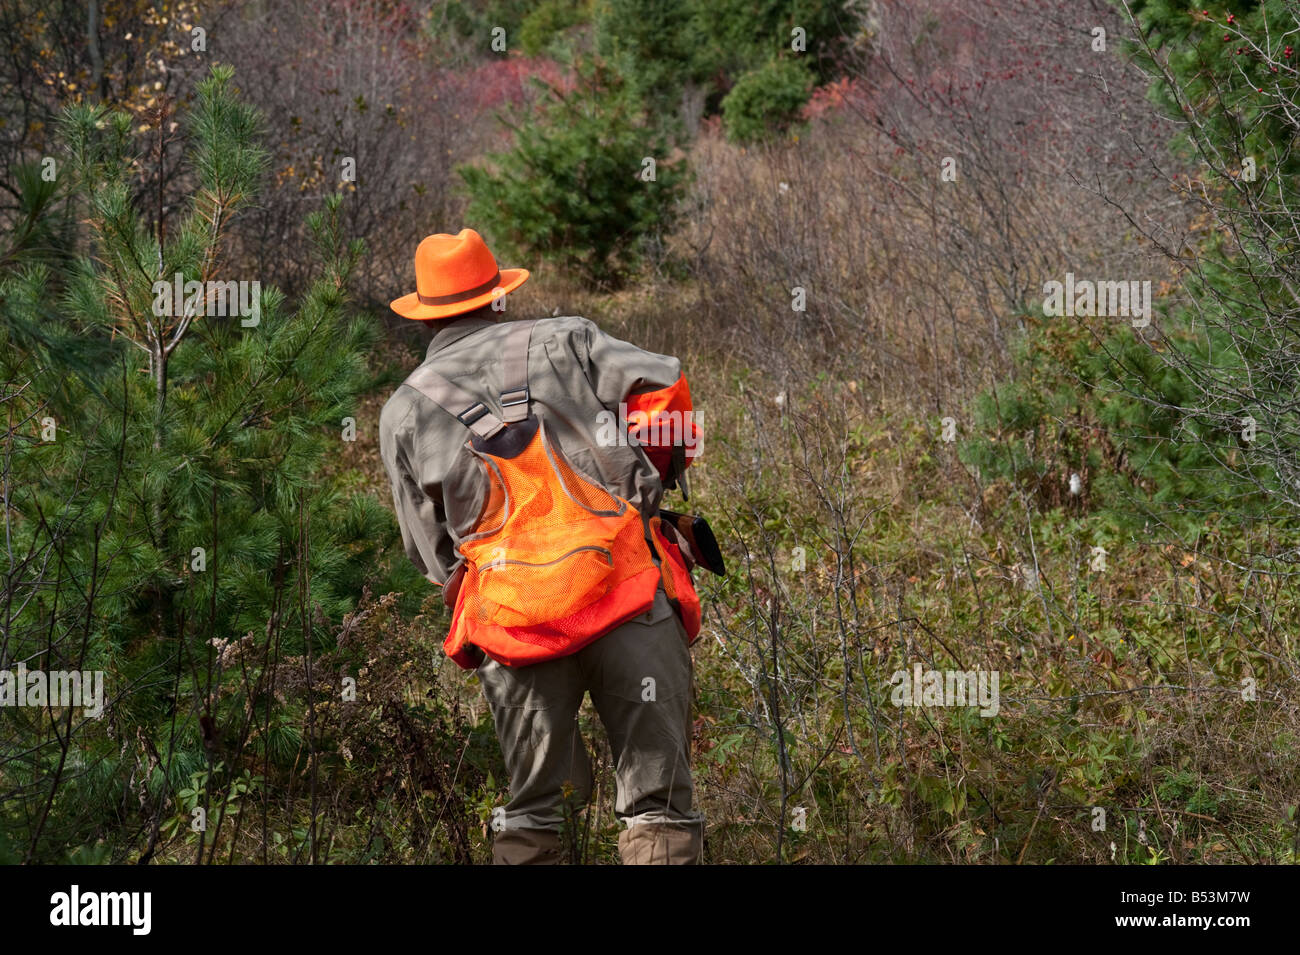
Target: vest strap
pixel 514 375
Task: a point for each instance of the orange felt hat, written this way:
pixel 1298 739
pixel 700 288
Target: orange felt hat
pixel 455 274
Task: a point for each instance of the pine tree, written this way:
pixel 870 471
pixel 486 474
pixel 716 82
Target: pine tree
pixel 586 184
pixel 176 504
pixel 1229 77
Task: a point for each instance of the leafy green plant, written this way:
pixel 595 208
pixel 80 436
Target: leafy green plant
pixel 170 494
pixel 587 184
pixel 544 27
pixel 765 102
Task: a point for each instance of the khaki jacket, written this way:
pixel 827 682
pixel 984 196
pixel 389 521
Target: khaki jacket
pixel 577 375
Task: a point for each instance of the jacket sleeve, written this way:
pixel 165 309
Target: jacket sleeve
pixel 422 520
pixel 653 390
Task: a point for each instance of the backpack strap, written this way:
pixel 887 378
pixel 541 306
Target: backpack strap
pixel 514 377
pixel 473 413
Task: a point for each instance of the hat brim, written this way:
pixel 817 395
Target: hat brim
pixel 409 306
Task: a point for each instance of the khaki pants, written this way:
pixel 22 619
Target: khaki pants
pixel 639 678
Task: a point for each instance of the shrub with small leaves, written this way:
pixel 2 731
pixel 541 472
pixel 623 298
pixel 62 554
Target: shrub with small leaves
pixel 765 103
pixel 576 188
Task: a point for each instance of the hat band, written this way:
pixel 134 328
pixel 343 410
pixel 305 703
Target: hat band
pixel 455 297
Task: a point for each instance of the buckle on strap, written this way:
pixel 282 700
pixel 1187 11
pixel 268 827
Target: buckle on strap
pixel 472 414
pixel 517 397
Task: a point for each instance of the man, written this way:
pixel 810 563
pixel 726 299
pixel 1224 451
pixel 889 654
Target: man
pixel 543 533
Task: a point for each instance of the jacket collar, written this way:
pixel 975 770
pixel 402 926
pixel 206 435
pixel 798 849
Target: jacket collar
pixel 454 330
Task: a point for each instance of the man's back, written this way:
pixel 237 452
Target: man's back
pixel 577 377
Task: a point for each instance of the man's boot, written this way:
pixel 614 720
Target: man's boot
pixel 661 843
pixel 526 847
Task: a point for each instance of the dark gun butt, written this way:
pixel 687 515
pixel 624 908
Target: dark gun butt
pixel 699 537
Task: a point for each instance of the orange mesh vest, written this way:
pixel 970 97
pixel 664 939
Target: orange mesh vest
pixel 554 561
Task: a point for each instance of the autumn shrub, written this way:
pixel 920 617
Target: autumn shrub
pixel 767 101
pixel 586 185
